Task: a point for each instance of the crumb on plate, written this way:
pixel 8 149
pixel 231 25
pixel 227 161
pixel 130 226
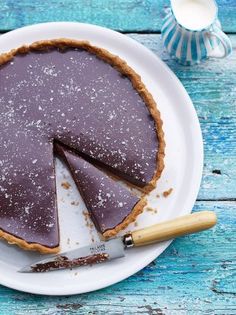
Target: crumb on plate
pixel 65 185
pixel 167 192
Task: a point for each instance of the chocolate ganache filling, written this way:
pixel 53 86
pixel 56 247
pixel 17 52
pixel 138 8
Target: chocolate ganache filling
pixel 78 99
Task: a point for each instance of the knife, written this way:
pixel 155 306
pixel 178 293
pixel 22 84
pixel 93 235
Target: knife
pixel 115 248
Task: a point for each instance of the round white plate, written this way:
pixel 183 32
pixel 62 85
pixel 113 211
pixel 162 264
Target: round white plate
pixel 183 170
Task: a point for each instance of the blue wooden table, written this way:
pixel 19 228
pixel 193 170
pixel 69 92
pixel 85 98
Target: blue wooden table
pixel 196 274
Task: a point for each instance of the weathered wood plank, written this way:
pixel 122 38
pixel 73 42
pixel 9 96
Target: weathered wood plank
pixel 122 15
pixel 195 275
pixel 211 86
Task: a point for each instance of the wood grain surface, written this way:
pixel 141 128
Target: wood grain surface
pixel 197 273
pixel 123 15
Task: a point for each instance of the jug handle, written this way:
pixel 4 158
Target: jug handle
pixel 225 42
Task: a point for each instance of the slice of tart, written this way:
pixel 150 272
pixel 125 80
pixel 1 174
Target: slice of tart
pixel 85 98
pixel 111 206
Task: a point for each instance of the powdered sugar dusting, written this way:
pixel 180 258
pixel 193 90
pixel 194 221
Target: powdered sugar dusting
pixel 75 98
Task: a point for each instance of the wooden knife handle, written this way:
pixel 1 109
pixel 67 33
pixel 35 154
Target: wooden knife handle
pixel 187 224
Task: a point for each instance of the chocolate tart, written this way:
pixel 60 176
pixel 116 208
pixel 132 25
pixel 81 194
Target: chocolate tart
pixel 85 98
pixel 111 206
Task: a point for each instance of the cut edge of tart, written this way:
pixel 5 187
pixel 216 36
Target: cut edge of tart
pixel 123 68
pixel 78 167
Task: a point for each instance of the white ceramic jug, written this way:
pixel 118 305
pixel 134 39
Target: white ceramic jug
pixel 191 32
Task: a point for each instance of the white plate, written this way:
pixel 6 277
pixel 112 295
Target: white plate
pixel 183 170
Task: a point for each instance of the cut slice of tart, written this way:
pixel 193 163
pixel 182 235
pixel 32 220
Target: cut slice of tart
pixel 111 206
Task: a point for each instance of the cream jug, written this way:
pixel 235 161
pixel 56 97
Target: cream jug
pixel 191 32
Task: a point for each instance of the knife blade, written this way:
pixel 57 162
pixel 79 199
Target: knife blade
pixel 83 256
pixel 114 248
